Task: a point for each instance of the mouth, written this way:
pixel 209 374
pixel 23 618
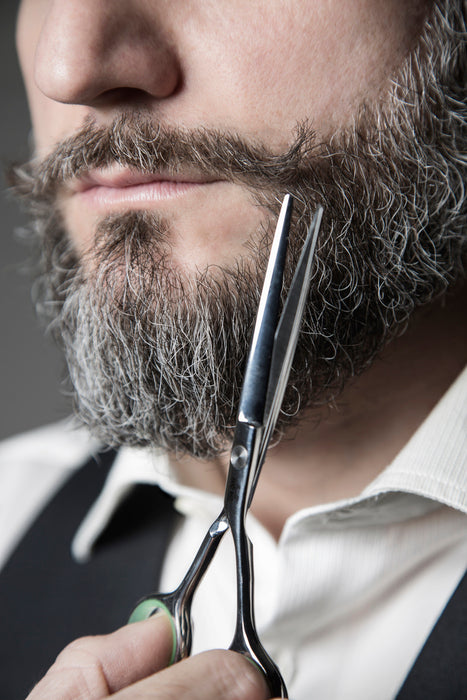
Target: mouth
pixel 120 187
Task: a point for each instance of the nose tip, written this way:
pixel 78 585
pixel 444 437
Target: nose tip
pixel 91 50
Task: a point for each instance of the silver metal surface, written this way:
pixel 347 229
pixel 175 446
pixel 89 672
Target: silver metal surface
pixel 270 358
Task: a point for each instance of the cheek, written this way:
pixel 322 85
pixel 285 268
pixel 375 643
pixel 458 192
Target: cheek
pixel 51 120
pixel 31 16
pixel 310 61
pixel 275 70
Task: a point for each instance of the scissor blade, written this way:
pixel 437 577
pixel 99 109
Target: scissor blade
pixel 258 369
pixel 287 332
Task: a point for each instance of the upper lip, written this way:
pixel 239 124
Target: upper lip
pixel 124 177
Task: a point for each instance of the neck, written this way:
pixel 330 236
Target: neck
pixel 335 453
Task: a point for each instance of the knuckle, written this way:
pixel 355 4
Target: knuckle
pixel 79 670
pixel 80 653
pixel 77 645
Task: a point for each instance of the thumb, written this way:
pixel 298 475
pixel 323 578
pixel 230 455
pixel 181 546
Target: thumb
pixel 95 667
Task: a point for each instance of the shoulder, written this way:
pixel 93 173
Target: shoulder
pixel 60 445
pixel 33 466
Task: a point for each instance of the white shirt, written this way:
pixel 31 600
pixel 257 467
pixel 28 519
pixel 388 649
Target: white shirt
pixel 344 600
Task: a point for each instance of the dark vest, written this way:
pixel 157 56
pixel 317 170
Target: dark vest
pixel 440 671
pixel 47 599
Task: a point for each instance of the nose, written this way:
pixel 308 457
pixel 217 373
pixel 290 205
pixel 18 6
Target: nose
pixel 92 52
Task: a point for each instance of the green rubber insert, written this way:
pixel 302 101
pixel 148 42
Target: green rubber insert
pixel 146 609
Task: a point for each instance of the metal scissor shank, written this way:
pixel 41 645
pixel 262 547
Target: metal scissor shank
pixel 266 375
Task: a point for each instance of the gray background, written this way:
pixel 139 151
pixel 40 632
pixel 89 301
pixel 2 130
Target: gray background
pixel 30 367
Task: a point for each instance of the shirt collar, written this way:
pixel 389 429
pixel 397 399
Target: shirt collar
pixel 432 466
pixel 133 466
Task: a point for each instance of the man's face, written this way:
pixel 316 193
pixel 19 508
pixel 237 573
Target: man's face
pixel 166 133
pixel 255 69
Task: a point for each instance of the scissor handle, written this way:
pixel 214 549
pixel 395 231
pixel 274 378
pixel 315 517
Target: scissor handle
pixel 178 603
pixel 243 465
pixel 180 619
pixel 246 640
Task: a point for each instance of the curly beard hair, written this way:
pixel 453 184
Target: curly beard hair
pixel 156 356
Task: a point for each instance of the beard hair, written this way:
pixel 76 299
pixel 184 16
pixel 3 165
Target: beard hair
pixel 156 357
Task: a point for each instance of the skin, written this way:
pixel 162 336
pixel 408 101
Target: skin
pixel 210 64
pixel 122 665
pixel 253 68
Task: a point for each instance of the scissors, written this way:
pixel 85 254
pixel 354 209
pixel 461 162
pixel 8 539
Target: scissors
pixel 267 371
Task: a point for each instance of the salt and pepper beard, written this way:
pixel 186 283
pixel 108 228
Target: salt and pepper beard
pixel 156 356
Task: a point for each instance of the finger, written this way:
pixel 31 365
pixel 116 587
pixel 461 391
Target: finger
pixel 91 668
pixel 207 676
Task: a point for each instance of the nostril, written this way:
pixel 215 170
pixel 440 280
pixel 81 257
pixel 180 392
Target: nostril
pixel 86 56
pixel 119 97
pixel 108 80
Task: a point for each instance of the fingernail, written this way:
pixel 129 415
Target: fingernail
pixel 150 609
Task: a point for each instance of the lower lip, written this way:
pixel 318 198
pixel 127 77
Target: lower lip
pixel 141 195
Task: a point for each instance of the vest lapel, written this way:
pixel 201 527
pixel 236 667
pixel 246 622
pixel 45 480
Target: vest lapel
pixel 440 671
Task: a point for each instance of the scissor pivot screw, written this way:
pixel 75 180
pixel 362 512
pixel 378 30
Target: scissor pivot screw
pixel 239 457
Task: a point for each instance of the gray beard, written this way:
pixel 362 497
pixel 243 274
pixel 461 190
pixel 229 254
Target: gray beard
pixel 156 357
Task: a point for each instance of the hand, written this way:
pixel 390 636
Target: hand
pixel 131 664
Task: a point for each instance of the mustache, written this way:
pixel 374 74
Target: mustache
pixel 137 142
